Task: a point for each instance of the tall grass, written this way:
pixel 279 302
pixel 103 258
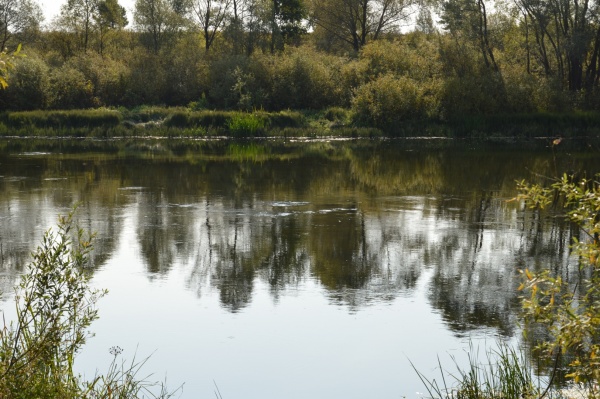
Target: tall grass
pixel 63 119
pixel 507 374
pixel 247 125
pixel 122 380
pixel 330 122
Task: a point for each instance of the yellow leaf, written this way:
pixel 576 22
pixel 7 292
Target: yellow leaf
pixel 528 274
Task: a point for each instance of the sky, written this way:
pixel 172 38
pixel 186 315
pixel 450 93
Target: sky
pixel 51 8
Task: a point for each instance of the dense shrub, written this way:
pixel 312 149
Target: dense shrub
pixel 70 89
pixel 146 83
pixel 482 93
pixel 186 72
pixel 306 79
pixel 412 55
pixel 29 85
pixel 107 76
pixel 518 88
pixel 286 119
pixel 388 101
pixel 240 82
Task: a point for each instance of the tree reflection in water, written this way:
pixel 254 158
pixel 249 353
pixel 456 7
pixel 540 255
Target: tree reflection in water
pixel 363 220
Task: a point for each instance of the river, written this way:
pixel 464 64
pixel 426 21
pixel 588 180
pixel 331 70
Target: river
pixel 270 269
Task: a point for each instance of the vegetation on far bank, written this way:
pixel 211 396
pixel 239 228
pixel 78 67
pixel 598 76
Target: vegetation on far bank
pixel 185 122
pixel 519 68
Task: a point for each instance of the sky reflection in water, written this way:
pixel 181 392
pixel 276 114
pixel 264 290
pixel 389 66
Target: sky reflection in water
pixel 316 272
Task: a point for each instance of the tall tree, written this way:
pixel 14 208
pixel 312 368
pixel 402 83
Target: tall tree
pixel 77 17
pixel 111 15
pixel 18 17
pixel 210 16
pixel 567 36
pixel 358 21
pixel 286 22
pixel 469 19
pixel 158 19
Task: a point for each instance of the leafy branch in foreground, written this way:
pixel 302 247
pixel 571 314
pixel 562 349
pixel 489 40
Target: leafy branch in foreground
pixel 570 315
pixel 55 307
pixel 6 65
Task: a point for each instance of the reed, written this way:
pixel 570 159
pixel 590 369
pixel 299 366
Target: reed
pixel 247 125
pixel 506 374
pixel 63 119
pixel 331 122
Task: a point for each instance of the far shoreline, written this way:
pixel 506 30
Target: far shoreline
pixel 332 123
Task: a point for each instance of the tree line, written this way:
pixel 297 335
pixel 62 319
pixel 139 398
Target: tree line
pixel 457 57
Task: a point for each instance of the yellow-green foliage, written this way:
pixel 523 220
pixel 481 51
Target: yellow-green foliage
pixel 70 89
pixel 247 125
pixel 448 68
pixel 388 101
pixel 300 78
pixel 186 71
pixel 473 95
pixel 412 55
pixel 29 84
pixel 107 77
pixel 304 78
pixel 239 82
pixel 571 315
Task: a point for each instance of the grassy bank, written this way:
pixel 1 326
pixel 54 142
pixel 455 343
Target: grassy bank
pixel 331 122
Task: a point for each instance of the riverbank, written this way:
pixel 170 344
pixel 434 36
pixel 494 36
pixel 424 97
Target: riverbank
pixel 331 122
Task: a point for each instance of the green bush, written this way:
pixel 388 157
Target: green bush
pixel 210 118
pixel 413 55
pixel 29 85
pixel 70 89
pixel 240 82
pixel 147 113
pixel 146 83
pixel 178 119
pixel 55 308
pixel 223 119
pixel 475 94
pixel 108 77
pixel 306 79
pixel 387 102
pixel 286 119
pixel 186 71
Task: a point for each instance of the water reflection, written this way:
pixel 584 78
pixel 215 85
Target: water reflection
pixel 363 220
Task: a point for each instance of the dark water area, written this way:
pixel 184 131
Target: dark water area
pixel 293 269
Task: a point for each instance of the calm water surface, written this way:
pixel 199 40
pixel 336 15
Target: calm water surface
pixel 292 270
